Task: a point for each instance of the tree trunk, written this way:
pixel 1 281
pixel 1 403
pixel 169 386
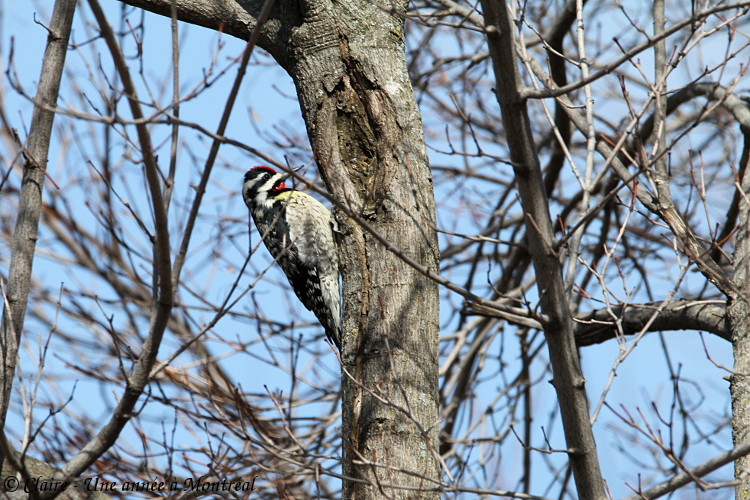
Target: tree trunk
pixel 348 63
pixel 366 130
pixel 738 316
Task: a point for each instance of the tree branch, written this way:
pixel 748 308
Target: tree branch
pixel 238 18
pixel 228 16
pixel 568 379
pixel 701 470
pixel 598 326
pixel 30 200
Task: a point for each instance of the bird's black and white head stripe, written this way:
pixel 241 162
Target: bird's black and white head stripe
pixel 261 180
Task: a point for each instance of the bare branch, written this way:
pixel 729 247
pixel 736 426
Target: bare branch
pixel 688 476
pixel 163 294
pixel 30 199
pixel 598 326
pixel 568 380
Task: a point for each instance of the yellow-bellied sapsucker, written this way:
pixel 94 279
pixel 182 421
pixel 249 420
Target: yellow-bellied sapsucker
pixel 298 233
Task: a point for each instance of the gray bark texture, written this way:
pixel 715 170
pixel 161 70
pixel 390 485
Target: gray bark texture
pixel 30 199
pixel 364 125
pixel 597 326
pixel 348 64
pixel 738 319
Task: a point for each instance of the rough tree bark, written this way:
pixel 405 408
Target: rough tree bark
pixel 367 134
pixel 738 319
pixel 348 64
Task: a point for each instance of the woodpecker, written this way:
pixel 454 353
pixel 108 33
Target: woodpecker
pixel 298 233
